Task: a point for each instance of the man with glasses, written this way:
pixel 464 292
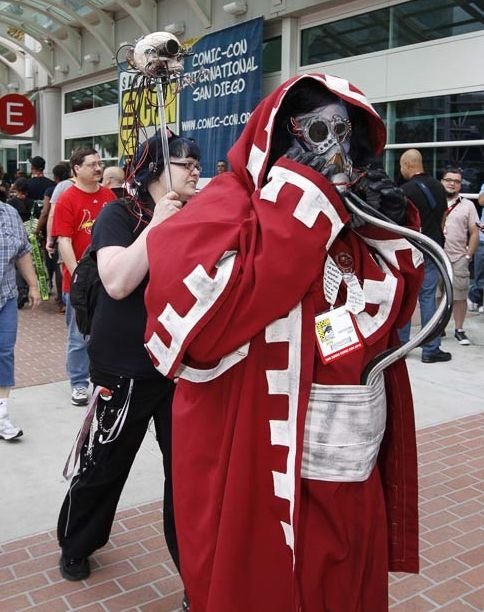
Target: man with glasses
pixel 75 212
pixel 428 195
pixel 461 241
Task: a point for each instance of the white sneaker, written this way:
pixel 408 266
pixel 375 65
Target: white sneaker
pixel 481 309
pixel 80 396
pixel 8 431
pixel 472 306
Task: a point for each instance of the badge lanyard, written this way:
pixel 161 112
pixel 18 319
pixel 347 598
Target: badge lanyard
pixel 335 330
pixel 448 211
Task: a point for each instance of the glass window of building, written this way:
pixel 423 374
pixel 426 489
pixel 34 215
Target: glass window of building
pixel 105 144
pixel 24 154
pixel 451 118
pixel 345 38
pixel 10 160
pixel 271 54
pixel 448 131
pixel 95 96
pixel 422 20
pixel 403 24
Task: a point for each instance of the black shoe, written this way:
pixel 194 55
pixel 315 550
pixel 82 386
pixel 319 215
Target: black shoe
pixel 22 299
pixel 74 569
pixel 437 356
pixel 461 337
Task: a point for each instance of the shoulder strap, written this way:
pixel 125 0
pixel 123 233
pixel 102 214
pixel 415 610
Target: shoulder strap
pixel 451 208
pixel 429 196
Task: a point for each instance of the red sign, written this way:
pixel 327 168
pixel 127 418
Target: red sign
pixel 17 114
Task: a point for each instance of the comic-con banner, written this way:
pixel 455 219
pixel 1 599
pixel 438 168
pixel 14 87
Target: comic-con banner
pixel 142 103
pixel 227 71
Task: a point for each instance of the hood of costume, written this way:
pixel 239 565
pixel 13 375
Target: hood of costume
pixel 236 280
pixel 250 154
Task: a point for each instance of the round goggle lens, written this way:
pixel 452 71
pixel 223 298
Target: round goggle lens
pixel 340 129
pixel 318 131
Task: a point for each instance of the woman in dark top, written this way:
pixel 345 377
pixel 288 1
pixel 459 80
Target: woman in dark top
pixel 132 391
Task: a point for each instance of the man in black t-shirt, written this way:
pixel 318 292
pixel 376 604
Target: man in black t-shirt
pixel 38 183
pixel 428 195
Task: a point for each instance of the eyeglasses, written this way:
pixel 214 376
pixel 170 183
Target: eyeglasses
pixel 190 166
pixel 449 180
pixel 93 165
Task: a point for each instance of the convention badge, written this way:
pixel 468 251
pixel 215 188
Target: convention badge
pixel 336 334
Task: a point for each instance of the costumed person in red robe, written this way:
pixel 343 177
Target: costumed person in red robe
pixel 295 484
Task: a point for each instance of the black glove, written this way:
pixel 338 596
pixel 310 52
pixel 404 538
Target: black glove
pixel 381 193
pixel 316 162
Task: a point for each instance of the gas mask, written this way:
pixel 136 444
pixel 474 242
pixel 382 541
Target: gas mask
pixel 326 132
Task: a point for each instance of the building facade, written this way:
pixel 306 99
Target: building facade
pixel 418 62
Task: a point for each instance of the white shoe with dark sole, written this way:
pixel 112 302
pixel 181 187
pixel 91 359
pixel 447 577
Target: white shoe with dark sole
pixel 80 396
pixel 8 431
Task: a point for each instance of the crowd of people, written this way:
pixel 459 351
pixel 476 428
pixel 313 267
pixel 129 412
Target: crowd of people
pixel 248 368
pixel 452 221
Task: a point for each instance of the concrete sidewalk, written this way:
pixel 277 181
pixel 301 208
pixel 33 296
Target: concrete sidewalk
pixel 50 424
pixel 35 483
pixel 446 391
pixel 442 392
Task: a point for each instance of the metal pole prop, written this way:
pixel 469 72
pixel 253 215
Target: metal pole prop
pixel 158 57
pixel 164 134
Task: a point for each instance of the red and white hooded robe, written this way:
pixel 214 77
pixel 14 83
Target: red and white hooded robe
pixel 235 285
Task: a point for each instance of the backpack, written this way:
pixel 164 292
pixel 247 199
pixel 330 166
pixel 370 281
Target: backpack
pixel 86 285
pixel 85 288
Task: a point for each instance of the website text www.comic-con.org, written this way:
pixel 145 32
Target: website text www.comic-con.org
pixel 215 121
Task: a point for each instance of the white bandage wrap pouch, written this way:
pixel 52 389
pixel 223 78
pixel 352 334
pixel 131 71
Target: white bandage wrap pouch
pixel 343 431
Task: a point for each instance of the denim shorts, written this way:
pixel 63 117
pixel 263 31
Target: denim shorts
pixel 8 337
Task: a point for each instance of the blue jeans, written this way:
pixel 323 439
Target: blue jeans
pixel 477 287
pixel 428 306
pixel 8 337
pixel 77 362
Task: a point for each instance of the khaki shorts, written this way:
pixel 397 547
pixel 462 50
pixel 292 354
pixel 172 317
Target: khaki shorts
pixel 460 268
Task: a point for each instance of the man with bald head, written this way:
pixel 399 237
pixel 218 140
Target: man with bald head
pixel 113 178
pixel 428 195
